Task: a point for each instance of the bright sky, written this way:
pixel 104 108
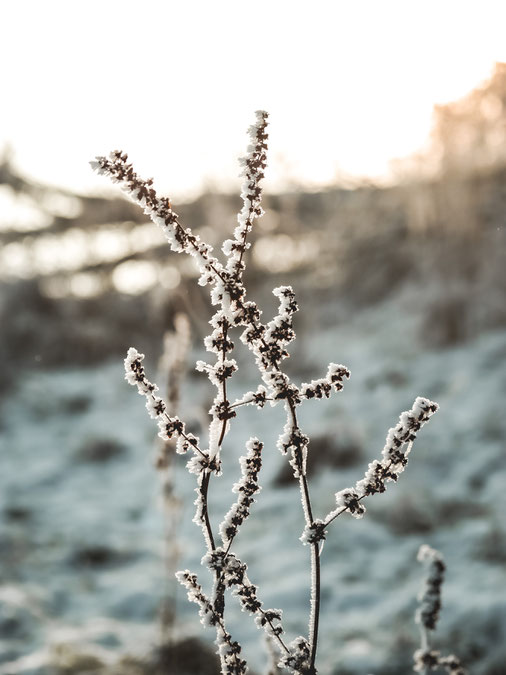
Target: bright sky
pixel 349 84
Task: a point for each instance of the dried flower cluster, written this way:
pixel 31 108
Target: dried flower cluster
pixel 394 460
pixel 427 615
pixel 251 464
pixel 268 344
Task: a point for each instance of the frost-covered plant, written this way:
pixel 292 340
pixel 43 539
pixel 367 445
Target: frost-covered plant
pixel 268 344
pixel 427 615
pixel 172 369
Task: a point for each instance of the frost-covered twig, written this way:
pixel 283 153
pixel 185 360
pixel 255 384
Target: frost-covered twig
pixel 268 344
pixel 398 445
pixel 253 165
pixel 231 573
pixel 248 486
pixel 427 615
pixel 273 657
pixel 229 650
pixel 172 366
pixel 159 209
pixel 201 463
pixel 157 408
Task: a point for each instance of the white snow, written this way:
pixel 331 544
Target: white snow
pixel 451 496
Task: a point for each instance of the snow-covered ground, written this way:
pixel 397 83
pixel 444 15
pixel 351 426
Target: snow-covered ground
pixel 82 539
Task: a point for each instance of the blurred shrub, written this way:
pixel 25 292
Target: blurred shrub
pixel 415 514
pixel 189 656
pixel 470 133
pixel 37 329
pixel 99 450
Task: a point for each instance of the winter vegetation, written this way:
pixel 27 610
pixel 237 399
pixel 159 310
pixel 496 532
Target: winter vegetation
pixel 267 342
pixel 405 285
pixel 427 615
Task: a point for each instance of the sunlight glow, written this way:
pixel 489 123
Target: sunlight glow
pixel 281 252
pixel 134 276
pixel 349 86
pixel 85 285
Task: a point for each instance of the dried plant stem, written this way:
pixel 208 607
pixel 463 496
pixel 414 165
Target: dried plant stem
pixel 427 615
pixel 204 488
pixel 314 621
pixel 273 668
pixel 343 510
pixel 223 388
pixel 314 617
pixel 173 365
pixel 268 343
pixel 278 637
pixel 425 644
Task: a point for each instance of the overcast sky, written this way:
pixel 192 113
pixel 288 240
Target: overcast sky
pixel 348 84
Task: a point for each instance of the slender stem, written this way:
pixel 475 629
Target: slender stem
pixel 185 436
pixel 314 618
pixel 277 637
pixel 425 644
pixel 219 599
pixel 223 384
pixel 315 604
pixel 238 274
pixel 204 488
pixel 237 405
pixel 203 491
pixel 228 639
pixel 251 400
pixel 306 501
pixel 345 508
pixel 223 428
pixel 229 545
pixel 224 425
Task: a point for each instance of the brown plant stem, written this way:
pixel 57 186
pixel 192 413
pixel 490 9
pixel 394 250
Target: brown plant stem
pixel 314 618
pixel 204 487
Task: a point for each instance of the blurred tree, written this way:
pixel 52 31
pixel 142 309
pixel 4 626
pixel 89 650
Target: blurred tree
pixel 470 134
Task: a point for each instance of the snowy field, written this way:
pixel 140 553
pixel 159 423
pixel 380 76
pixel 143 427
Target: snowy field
pixel 82 546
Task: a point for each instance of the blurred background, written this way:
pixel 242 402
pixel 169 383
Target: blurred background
pixel 385 201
